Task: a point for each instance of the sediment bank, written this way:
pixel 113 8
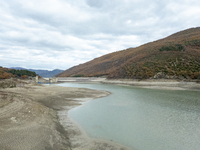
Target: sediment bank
pixel 171 84
pixel 35 118
pixel 157 84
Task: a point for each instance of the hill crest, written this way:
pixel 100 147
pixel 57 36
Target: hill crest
pixel 176 56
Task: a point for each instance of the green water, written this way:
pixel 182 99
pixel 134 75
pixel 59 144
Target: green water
pixel 142 119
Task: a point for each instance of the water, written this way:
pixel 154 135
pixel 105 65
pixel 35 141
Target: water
pixel 142 119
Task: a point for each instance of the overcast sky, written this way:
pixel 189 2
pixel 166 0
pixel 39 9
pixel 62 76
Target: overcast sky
pixel 50 34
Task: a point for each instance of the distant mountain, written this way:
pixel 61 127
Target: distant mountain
pixel 46 73
pixel 176 56
pixel 18 68
pixel 42 73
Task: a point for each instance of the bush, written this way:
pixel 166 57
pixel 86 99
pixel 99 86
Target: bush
pixel 78 75
pixel 24 77
pixel 176 47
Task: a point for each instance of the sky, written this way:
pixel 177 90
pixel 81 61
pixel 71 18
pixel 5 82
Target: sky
pixel 51 34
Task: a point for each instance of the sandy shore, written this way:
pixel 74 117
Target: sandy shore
pixel 35 118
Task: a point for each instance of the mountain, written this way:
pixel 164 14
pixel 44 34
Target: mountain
pixel 18 68
pixel 42 73
pixel 46 73
pixel 176 56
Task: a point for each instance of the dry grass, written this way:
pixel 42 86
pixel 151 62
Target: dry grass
pixel 147 60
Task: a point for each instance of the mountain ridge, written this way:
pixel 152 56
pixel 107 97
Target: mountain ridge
pixel 176 56
pixel 42 73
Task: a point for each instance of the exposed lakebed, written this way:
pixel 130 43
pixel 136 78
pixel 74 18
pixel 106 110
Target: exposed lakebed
pixel 142 119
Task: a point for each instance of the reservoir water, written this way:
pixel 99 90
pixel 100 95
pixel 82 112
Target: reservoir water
pixel 142 119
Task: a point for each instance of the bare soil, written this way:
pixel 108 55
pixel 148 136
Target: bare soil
pixel 29 119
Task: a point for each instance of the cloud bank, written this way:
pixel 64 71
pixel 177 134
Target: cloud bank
pixel 53 34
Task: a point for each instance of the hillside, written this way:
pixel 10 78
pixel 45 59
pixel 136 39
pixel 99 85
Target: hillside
pixel 6 73
pixel 176 56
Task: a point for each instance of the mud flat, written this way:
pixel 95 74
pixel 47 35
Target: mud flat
pixel 35 118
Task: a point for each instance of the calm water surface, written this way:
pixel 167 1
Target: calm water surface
pixel 142 119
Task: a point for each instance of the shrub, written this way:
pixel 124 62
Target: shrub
pixel 24 77
pixel 176 47
pixel 78 75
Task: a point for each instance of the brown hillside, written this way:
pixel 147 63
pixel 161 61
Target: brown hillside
pixel 176 56
pixel 4 73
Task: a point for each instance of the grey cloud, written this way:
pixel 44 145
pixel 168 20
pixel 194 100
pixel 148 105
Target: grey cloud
pixel 45 45
pixel 84 29
pixel 111 20
pixel 53 46
pixel 3 47
pixel 96 4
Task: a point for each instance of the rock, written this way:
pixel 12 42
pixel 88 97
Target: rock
pixel 159 75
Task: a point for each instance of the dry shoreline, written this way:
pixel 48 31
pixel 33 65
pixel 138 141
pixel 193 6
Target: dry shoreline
pixel 157 84
pixel 31 118
pixel 169 84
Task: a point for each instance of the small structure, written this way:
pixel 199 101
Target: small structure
pixel 53 80
pixel 48 80
pixel 36 79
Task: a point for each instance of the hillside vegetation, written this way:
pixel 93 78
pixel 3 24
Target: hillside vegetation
pixel 176 56
pixel 6 73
